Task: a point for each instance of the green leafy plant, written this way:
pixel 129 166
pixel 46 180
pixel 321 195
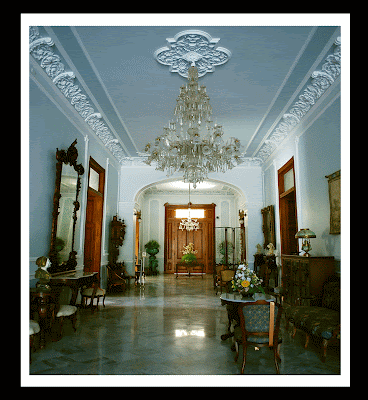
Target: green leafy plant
pixel 152 248
pixel 222 250
pixel 188 258
pixel 152 244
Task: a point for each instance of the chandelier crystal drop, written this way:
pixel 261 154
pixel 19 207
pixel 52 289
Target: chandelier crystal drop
pixel 192 143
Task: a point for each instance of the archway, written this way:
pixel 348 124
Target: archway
pixel 150 201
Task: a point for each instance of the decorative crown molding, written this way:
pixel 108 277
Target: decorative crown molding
pixel 321 81
pixel 40 49
pixel 192 47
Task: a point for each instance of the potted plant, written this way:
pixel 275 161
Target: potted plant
pixel 222 250
pixel 152 247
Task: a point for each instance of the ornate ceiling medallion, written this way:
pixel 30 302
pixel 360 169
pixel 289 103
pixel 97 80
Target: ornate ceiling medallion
pixel 192 47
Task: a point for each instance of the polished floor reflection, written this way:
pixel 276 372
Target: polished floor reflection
pixel 168 327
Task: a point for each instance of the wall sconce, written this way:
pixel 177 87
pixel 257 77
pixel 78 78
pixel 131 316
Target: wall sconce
pixel 305 235
pixel 138 214
pixel 242 215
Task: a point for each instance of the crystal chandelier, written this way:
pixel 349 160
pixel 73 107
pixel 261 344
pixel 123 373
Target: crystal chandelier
pixel 189 224
pixel 191 143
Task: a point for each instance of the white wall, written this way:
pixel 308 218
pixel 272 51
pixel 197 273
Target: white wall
pixel 315 147
pixel 52 127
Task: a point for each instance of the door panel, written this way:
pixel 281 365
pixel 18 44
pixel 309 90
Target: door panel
pixel 93 232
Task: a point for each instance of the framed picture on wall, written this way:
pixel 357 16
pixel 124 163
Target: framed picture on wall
pixel 334 191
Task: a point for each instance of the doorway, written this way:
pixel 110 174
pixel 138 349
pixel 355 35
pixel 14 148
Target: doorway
pixel 203 239
pixel 288 208
pixel 94 216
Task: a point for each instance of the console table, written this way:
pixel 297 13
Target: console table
pixel 75 280
pixel 188 267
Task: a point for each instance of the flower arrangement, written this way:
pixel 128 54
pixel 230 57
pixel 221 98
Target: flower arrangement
pixel 189 254
pixel 246 281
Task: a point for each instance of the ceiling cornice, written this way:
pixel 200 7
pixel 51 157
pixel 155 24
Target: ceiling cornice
pixel 321 80
pixel 41 50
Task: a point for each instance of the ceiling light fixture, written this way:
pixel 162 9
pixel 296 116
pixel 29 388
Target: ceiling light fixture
pixel 189 224
pixel 191 143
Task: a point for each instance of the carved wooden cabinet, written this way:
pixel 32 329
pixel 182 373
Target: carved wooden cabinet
pixel 303 277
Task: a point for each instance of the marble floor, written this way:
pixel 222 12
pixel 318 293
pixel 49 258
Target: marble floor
pixel 167 327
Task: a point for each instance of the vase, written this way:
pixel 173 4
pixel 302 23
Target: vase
pixel 259 296
pixel 245 294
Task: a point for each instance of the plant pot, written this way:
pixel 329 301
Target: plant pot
pixel 259 296
pixel 245 294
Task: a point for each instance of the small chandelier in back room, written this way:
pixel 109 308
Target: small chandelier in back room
pixel 188 223
pixel 191 143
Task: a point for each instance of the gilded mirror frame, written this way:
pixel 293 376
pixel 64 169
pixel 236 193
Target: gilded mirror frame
pixel 64 157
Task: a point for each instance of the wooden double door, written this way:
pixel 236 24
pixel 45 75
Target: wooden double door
pixel 203 239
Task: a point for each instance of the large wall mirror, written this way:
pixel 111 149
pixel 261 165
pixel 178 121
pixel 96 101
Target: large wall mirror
pixel 268 226
pixel 65 210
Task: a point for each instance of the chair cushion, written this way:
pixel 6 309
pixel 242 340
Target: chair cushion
pixel 66 310
pixel 317 321
pixel 33 327
pixel 88 292
pixel 252 338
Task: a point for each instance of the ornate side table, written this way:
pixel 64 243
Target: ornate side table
pixel 43 307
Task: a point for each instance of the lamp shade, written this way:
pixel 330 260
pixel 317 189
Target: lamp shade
pixel 305 234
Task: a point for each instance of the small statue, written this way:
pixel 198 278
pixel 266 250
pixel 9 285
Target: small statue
pixel 259 249
pixel 41 274
pixel 271 249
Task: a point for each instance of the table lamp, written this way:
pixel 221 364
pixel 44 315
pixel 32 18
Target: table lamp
pixel 305 234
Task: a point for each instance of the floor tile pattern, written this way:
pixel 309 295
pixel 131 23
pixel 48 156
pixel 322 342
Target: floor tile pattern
pixel 167 327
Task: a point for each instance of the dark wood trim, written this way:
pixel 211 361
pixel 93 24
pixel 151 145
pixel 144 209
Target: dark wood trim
pixel 101 173
pixel 287 211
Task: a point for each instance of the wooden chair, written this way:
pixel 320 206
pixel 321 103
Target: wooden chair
pixel 114 280
pixel 217 276
pixel 259 326
pixel 226 276
pixel 66 310
pixel 92 293
pixel 34 328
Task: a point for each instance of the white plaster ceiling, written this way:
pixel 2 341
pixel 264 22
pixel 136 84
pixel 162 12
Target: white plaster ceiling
pixel 115 68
